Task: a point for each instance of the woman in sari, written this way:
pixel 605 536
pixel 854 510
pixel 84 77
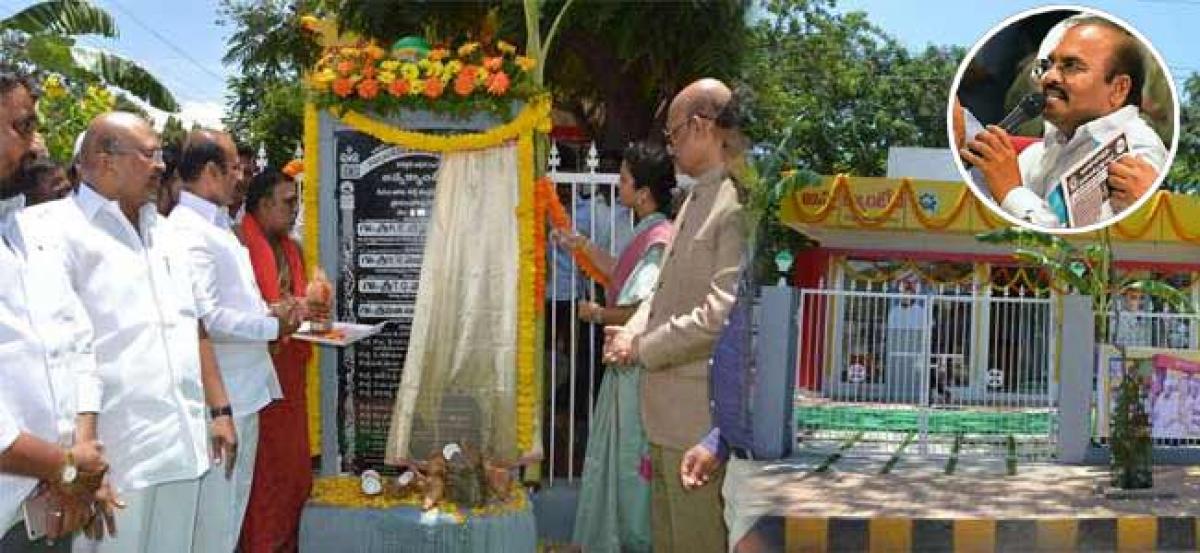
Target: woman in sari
pixel 614 502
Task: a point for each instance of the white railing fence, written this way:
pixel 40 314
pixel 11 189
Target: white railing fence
pixel 952 372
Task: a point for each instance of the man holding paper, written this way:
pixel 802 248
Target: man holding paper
pixel 1092 72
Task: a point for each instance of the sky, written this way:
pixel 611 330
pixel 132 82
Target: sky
pixel 1165 23
pixel 181 43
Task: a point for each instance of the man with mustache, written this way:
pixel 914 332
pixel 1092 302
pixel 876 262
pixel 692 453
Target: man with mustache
pixel 1092 77
pixel 49 387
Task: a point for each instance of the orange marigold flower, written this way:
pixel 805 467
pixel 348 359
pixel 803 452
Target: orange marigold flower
pixel 368 88
pixel 343 87
pixel 374 52
pixel 438 54
pixel 464 84
pixel 493 64
pixel 434 88
pixel 369 72
pixel 345 67
pixel 399 87
pixel 293 168
pixel 498 83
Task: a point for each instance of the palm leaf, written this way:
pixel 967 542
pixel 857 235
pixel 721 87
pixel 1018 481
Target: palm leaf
pixel 124 73
pixel 1178 300
pixel 62 17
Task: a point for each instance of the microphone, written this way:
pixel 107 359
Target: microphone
pixel 1029 107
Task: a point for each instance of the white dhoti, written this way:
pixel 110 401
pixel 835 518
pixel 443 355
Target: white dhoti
pixel 223 500
pixel 155 519
pixel 746 504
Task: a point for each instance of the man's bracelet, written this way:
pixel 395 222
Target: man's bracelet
pixel 218 412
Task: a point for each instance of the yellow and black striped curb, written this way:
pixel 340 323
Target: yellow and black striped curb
pixel 1127 533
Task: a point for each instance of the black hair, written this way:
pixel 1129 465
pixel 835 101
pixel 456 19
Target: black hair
pixel 199 149
pixel 651 167
pixel 263 185
pixel 1127 58
pixel 171 160
pixel 245 150
pixel 11 81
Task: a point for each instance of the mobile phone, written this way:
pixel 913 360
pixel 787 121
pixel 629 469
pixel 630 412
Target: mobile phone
pixel 37 514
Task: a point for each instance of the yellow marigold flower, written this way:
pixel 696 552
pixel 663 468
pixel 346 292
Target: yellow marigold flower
pixel 526 63
pixel 390 65
pixel 386 77
pixel 326 75
pixel 415 87
pixel 316 83
pixel 410 71
pixel 453 67
pixel 506 47
pixel 467 49
pixel 435 69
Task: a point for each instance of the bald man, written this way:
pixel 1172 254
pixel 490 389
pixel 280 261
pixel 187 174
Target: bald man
pixel 234 314
pixel 1092 74
pixel 157 368
pixel 672 334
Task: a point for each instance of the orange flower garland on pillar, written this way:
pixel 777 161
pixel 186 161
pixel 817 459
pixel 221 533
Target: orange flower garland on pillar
pixel 562 222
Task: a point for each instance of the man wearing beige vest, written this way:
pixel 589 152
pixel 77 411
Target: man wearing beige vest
pixel 672 334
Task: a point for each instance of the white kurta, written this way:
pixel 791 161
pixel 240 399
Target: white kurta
pixel 47 368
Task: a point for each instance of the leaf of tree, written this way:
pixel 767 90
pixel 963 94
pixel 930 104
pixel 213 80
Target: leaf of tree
pixel 62 17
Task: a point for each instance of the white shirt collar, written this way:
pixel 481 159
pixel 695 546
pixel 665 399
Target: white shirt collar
pixel 207 210
pixel 92 203
pixel 9 209
pixel 1095 129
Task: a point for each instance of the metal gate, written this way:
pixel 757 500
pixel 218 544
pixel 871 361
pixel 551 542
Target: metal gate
pixel 940 373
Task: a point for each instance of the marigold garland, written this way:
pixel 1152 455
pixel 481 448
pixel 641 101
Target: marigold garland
pixel 562 222
pixel 534 117
pixel 526 401
pixel 839 194
pixel 312 258
pixel 345 492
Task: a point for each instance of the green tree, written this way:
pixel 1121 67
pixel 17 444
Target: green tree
pixel 173 131
pixel 845 88
pixel 1184 177
pixel 265 104
pixel 602 67
pixel 42 37
pixel 70 113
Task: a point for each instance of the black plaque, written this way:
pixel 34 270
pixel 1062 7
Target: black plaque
pixel 385 202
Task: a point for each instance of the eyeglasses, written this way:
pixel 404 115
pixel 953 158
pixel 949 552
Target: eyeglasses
pixel 155 155
pixel 1067 68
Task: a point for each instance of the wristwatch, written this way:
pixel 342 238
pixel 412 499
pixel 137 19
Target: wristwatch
pixel 69 471
pixel 218 412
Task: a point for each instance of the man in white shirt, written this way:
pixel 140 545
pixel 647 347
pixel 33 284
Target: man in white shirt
pixel 132 275
pixel 235 316
pixel 1092 77
pixel 47 370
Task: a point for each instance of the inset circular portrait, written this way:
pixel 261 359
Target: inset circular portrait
pixel 1063 119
